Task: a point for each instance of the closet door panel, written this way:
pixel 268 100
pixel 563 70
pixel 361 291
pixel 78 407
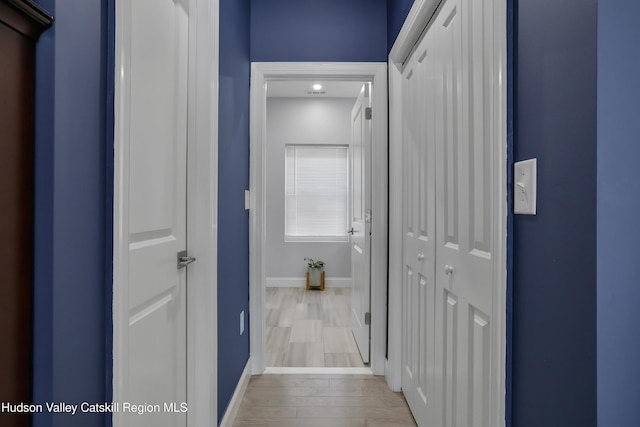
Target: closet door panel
pixel 419 112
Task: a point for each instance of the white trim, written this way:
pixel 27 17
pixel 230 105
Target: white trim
pixel 500 224
pixel 389 377
pixel 232 410
pixel 202 216
pixel 394 357
pixel 417 20
pixel 301 282
pixel 356 71
pixel 318 371
pixel 120 309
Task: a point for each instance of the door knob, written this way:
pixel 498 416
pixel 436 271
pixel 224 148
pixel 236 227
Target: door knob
pixel 420 256
pixel 448 269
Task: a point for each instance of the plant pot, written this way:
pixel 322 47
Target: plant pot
pixel 315 278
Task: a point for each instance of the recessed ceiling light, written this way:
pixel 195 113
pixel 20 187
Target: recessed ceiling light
pixel 317 86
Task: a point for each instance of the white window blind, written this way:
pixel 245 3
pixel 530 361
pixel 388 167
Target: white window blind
pixel 316 193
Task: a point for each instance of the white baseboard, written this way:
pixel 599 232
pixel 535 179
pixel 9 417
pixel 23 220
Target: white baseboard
pixel 236 399
pixel 295 282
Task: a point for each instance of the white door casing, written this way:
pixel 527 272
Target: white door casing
pixel 166 63
pixel 452 104
pixel 372 72
pixel 360 225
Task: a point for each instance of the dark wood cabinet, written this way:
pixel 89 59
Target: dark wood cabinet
pixel 21 23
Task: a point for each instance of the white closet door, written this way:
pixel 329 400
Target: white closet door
pixel 450 347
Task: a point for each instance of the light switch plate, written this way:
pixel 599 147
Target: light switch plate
pixel 524 187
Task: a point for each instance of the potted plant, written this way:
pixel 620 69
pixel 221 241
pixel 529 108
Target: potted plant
pixel 315 274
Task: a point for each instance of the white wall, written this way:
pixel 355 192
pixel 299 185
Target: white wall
pixel 301 121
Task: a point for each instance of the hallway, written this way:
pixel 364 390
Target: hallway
pixel 322 400
pixel 572 77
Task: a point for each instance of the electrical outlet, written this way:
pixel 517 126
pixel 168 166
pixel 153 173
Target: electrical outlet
pixel 242 322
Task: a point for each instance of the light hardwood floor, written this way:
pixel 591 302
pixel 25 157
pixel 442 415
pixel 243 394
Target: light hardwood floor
pixel 310 328
pixel 322 400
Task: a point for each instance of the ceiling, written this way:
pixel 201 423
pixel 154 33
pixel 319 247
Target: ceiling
pixel 301 89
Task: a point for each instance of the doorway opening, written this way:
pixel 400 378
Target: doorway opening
pixel 310 169
pixel 307 196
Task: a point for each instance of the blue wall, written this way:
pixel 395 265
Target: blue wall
pixel 233 219
pixel 554 265
pixel 618 213
pixel 318 30
pixel 70 222
pixel 397 11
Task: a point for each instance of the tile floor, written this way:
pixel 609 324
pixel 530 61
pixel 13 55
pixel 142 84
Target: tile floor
pixel 310 328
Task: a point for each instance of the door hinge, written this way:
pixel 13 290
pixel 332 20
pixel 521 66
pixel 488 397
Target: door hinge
pixel 367 113
pixel 367 318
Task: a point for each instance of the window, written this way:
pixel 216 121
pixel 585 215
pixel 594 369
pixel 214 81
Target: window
pixel 316 193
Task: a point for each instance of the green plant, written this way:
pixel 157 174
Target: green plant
pixel 314 264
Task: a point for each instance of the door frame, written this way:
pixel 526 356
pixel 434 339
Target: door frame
pixel 202 215
pixel 419 17
pixel 262 72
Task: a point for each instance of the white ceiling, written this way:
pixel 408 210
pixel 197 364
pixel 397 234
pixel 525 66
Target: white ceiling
pixel 300 89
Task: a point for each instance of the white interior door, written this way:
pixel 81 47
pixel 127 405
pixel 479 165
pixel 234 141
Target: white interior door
pixel 450 348
pixel 361 221
pixel 156 60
